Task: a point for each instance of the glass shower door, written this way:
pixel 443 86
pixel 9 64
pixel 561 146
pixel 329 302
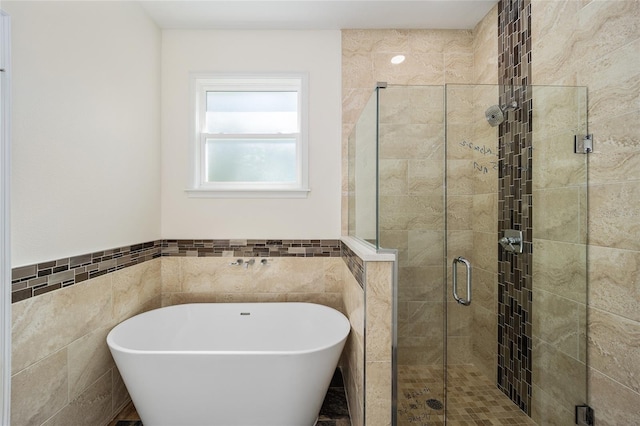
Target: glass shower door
pixel 411 220
pixel 518 349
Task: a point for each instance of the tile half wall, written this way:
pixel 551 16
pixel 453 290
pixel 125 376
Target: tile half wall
pixel 33 280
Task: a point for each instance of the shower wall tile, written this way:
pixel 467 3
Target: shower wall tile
pixel 616 156
pixel 613 403
pixel 615 289
pixel 614 347
pixel 604 56
pixel 556 322
pixel 614 217
pixel 484 341
pixel 560 268
pixel 546 410
pixel 484 213
pixel 562 377
pixel 460 213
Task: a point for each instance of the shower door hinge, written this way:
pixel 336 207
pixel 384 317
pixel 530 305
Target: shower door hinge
pixel 583 144
pixel 584 415
pixel 381 85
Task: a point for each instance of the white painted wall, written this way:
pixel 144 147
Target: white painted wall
pixel 316 52
pixel 86 121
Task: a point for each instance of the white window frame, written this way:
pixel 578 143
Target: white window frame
pixel 200 83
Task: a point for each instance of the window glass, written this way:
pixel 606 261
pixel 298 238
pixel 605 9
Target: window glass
pixel 252 112
pixel 251 160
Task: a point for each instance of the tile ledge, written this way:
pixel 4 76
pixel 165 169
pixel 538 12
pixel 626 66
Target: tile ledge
pixel 366 252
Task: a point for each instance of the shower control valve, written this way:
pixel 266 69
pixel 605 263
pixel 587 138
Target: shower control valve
pixel 512 241
pixel 237 262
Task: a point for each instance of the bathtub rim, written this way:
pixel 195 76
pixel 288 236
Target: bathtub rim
pixel 117 347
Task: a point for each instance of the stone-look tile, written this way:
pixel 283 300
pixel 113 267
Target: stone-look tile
pixel 421 283
pixel 460 177
pixel 170 274
pixel 400 212
pixel 40 391
pixel 425 248
pixel 425 176
pixel 89 359
pixel 120 396
pixel 334 273
pixel 556 111
pixel 133 287
pixel 545 410
pixel 418 68
pixel 484 341
pixel 614 347
pixel 419 319
pixel 614 281
pixel 485 49
pixel 332 300
pixel 45 324
pixel 378 397
pixel 458 68
pixel 92 407
pixel 403 141
pixel 353 355
pixel 614 215
pixel 485 252
pixel 560 268
pixel 617 150
pixel 485 213
pixel 558 214
pixel 614 83
pixel 459 350
pixel 564 378
pixel 459 243
pixel 379 283
pixel 362 70
pixel 556 165
pixel 393 177
pixel 485 288
pixel 556 321
pixel 459 212
pixel 397 239
pixel 613 404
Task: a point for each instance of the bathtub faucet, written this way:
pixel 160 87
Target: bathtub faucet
pixel 249 262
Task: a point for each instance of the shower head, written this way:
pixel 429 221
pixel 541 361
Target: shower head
pixel 495 113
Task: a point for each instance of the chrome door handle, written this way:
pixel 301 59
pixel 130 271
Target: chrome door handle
pixel 454 273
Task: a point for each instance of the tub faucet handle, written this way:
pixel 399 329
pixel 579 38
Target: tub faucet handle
pixel 237 262
pixel 248 263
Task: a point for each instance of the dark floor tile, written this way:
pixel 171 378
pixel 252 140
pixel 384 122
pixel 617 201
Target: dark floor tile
pixel 326 423
pixel 336 380
pixel 334 406
pixel 129 423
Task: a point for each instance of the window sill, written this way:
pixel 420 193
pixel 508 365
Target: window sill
pixel 249 193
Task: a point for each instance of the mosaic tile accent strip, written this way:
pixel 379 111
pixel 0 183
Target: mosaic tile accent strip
pixel 251 248
pixel 515 203
pixel 354 263
pixel 34 280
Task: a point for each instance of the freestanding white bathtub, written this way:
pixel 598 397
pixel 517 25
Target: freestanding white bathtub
pixel 249 364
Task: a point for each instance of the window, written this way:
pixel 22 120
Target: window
pixel 249 138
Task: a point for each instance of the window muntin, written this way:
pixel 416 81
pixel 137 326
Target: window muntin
pixel 250 135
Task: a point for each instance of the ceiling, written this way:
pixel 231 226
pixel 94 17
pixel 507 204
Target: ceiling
pixel 317 14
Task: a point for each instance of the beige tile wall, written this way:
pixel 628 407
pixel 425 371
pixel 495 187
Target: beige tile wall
pixel 353 355
pixel 597 44
pixel 62 371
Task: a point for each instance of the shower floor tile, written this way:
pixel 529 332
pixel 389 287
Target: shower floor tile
pixel 472 398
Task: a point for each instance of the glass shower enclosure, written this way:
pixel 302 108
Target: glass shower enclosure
pixel 480 190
